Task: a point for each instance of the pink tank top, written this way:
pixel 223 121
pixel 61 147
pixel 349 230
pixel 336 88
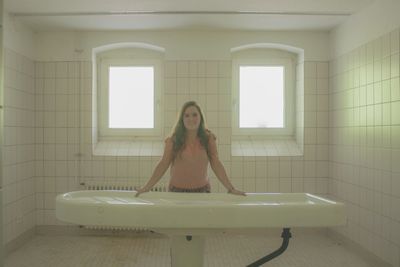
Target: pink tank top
pixel 190 167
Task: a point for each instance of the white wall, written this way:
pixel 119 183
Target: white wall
pixel 19 148
pixel 197 67
pixel 380 17
pixel 364 127
pixel 179 45
pixel 18 37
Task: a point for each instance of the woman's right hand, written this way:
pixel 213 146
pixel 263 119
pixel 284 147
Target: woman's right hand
pixel 233 191
pixel 141 190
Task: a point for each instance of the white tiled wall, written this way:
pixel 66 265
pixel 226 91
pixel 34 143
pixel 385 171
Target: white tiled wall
pixel 61 91
pixel 48 146
pixel 19 145
pixel 63 128
pixel 365 143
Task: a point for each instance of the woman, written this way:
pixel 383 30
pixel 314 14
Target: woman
pixel 189 150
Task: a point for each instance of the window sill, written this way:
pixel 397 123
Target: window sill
pixel 264 148
pixel 128 148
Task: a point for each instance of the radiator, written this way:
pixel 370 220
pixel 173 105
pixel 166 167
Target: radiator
pixel 123 187
pixel 105 186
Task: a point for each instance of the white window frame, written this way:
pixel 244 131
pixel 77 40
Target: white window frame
pixel 265 57
pixel 106 133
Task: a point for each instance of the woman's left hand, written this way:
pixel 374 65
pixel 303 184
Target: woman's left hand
pixel 236 192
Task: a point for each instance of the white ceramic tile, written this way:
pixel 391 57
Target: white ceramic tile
pixel 395 110
pixel 225 86
pixel 249 170
pixel 61 167
pixel 309 169
pixel 378 114
pixel 61 102
pixel 285 170
pixel 322 86
pixel 219 251
pixel 310 118
pixel 73 69
pixel 212 69
pixel 377 70
pixel 61 185
pixel 261 170
pixel 49 102
pixel 395 212
pixel 370 73
pixel 193 86
pixel 49 168
pixel 61 86
pixel 394 65
pixel 49 184
pixel 310 70
pixel 310 103
pixel 212 102
pixel 74 86
pixel 322 119
pixel 61 152
pixel 201 69
pixel 170 102
pixel 211 86
pixel 395 160
pixel 394 41
pixel 49 69
pixel 378 92
pixel 310 136
pixel 182 69
pixel 224 119
pixel 322 70
pixel 86 69
pixel 386 42
pixel 181 99
pixel 237 169
pixel 310 85
pixel 224 68
pixel 273 169
pixel 170 69
pixel 192 68
pixel 322 103
pixel 395 89
pixel 386 72
pixel 377 44
pixel 61 69
pixel 224 103
pixel 212 119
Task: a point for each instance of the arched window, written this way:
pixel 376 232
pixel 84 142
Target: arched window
pixel 264 81
pixel 128 82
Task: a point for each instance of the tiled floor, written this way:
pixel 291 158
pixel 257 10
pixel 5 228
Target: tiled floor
pixel 305 250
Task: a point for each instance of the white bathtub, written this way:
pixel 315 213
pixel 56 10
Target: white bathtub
pixel 197 214
pixel 189 211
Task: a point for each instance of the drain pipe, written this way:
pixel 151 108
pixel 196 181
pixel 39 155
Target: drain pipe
pixel 286 235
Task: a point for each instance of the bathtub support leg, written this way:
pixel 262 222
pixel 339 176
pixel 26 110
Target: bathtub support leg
pixel 187 251
pixel 286 235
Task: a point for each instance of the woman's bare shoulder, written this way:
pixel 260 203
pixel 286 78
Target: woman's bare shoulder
pixel 211 134
pixel 169 139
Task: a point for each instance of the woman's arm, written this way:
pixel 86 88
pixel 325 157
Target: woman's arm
pixel 220 172
pixel 219 169
pixel 160 169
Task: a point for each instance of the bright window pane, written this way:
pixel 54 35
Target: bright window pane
pixel 131 97
pixel 261 97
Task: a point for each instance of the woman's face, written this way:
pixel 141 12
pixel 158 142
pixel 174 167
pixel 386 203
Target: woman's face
pixel 191 118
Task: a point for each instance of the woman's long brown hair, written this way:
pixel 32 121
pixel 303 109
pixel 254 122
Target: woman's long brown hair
pixel 179 132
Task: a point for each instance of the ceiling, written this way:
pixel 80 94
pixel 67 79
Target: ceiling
pixel 56 15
